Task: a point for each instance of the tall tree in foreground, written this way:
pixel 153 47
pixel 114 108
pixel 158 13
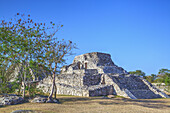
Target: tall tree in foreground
pixel 54 57
pixel 22 41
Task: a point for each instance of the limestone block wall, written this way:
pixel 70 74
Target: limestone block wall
pixel 113 69
pixel 45 85
pixel 89 80
pixel 94 59
pixel 102 62
pixel 101 90
pixel 91 71
pixel 69 90
pixel 70 79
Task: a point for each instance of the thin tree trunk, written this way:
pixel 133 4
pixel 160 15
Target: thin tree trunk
pixel 52 90
pixel 24 83
pixel 23 93
pixel 55 93
pixel 29 90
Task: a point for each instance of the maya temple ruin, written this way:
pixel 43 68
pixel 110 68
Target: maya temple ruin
pixel 95 74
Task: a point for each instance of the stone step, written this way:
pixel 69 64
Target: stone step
pixel 144 94
pixel 101 90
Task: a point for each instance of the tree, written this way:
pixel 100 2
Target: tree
pixel 138 73
pixel 54 57
pixel 151 78
pixel 20 42
pixel 23 41
pixel 4 78
pixel 164 76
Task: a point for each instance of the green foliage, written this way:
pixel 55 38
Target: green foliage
pixel 138 73
pixel 14 85
pixel 27 44
pixel 4 88
pixel 164 76
pixel 32 90
pixel 151 78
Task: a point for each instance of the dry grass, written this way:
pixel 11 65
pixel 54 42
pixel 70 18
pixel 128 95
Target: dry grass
pixel 72 104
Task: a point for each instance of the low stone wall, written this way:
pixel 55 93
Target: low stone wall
pixel 89 80
pixel 70 79
pixel 101 90
pixel 69 90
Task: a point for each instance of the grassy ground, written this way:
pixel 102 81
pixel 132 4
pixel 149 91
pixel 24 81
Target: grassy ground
pixel 72 104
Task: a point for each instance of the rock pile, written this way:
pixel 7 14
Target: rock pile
pixel 43 99
pixel 10 99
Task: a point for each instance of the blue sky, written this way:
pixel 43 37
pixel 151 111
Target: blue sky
pixel 135 32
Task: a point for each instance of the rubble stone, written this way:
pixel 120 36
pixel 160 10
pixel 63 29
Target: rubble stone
pixel 10 99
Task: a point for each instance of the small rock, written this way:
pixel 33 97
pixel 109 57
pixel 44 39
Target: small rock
pixel 53 101
pixel 111 96
pixel 23 111
pixel 39 100
pixel 56 101
pixel 49 101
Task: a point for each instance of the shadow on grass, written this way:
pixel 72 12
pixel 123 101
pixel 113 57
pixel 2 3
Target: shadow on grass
pixel 139 102
pixel 149 103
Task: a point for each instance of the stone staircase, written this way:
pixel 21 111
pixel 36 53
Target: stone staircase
pixel 144 94
pixel 135 88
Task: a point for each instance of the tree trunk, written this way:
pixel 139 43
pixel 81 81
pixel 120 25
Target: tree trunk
pixel 55 93
pixel 29 90
pixel 52 89
pixel 23 95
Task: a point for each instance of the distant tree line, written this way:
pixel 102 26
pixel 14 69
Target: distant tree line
pixel 163 76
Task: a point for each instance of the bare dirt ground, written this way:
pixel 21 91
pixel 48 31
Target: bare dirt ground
pixel 72 104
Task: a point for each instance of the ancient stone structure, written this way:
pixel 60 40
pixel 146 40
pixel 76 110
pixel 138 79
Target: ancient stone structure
pixel 162 87
pixel 95 74
pixel 36 75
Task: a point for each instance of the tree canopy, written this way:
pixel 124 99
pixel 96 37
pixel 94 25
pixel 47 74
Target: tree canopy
pixel 24 42
pixel 138 73
pixel 163 76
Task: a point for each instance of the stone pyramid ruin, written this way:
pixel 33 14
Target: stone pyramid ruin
pixel 95 74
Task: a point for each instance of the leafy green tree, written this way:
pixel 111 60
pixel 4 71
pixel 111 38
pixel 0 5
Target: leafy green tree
pixel 20 42
pixel 23 41
pixel 54 57
pixel 138 73
pixel 164 76
pixel 5 71
pixel 151 78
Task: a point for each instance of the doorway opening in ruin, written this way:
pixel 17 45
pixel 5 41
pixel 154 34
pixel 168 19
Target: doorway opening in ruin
pixel 86 65
pixel 78 65
pixel 103 80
